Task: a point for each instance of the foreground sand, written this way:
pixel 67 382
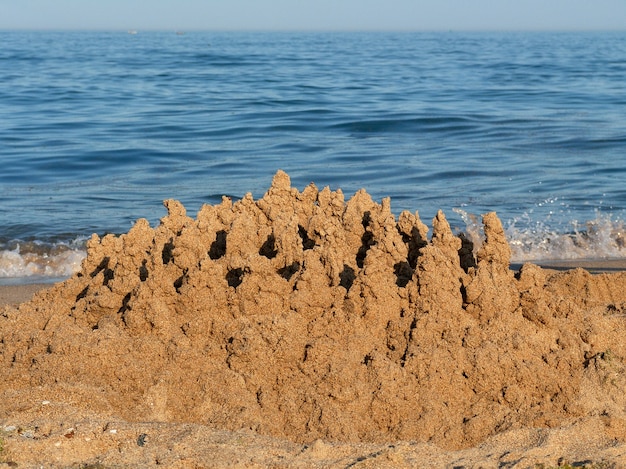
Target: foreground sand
pixel 79 438
pixel 303 331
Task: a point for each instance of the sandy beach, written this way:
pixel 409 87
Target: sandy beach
pixel 304 330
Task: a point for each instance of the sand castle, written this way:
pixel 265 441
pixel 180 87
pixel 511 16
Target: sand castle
pixel 303 316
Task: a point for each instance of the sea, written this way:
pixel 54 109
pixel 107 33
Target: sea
pixel 98 128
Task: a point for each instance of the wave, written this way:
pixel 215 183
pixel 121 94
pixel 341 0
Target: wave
pixel 37 261
pixel 601 238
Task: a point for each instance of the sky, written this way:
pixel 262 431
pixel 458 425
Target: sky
pixel 342 15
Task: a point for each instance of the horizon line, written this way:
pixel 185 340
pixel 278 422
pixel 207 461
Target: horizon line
pixel 317 30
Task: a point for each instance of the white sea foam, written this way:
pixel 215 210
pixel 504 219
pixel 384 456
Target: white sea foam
pixel 36 260
pixel 601 238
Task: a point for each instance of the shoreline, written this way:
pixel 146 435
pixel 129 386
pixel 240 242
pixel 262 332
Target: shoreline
pixel 594 266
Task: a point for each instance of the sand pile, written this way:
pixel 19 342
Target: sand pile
pixel 302 316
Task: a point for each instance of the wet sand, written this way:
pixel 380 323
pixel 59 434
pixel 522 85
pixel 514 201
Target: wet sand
pixel 594 266
pixel 16 294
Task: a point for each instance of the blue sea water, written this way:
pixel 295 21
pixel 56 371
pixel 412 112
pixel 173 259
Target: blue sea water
pixel 97 128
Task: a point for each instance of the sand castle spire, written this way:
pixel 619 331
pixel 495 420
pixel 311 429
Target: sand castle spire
pixel 495 249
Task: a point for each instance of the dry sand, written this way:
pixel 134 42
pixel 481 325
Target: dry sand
pixel 300 330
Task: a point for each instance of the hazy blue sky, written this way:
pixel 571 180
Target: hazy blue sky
pixel 314 14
